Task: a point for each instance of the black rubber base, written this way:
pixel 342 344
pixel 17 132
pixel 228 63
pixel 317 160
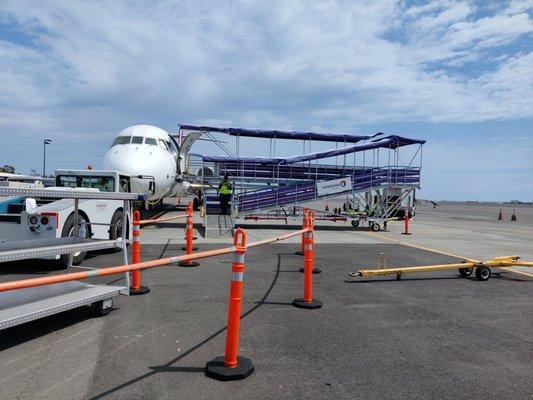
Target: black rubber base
pixel 193 238
pixel 193 248
pixel 215 369
pixel 188 264
pixel 299 253
pixel 141 290
pixel 314 271
pixel 301 303
pixel 403 233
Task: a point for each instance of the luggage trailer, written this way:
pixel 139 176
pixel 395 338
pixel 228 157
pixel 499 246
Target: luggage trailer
pixel 24 305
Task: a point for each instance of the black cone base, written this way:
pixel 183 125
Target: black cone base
pixel 300 303
pixel 141 290
pixel 188 264
pixel 314 271
pixel 299 253
pixel 193 238
pixel 193 248
pixel 405 233
pixel 215 369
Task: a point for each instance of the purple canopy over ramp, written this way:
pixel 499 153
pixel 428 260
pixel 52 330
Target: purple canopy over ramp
pixel 389 142
pixel 274 134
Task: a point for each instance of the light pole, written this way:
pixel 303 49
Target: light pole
pixel 45 142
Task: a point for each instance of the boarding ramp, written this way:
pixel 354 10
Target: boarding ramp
pixel 306 191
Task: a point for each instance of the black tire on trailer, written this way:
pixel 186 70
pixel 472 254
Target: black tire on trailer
pixel 465 271
pixel 68 230
pixel 196 204
pixel 375 227
pixel 355 223
pixel 483 273
pixel 99 309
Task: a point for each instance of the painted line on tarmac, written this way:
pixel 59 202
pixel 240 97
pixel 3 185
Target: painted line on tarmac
pixel 415 246
pixel 420 247
pixel 508 269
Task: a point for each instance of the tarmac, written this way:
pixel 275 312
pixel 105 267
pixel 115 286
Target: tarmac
pixel 429 336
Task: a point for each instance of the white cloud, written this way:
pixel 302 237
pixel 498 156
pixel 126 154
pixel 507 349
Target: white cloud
pixel 88 69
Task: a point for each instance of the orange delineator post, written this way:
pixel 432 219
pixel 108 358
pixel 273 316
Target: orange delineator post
pixel 188 238
pixel 307 301
pixel 301 252
pixel 231 366
pixel 136 288
pixel 406 222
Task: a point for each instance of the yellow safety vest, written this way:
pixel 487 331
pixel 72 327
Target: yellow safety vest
pixel 224 189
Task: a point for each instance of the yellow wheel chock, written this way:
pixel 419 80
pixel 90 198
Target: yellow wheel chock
pixel 482 268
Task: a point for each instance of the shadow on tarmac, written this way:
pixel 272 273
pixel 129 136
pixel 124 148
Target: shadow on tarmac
pixel 168 367
pixel 20 334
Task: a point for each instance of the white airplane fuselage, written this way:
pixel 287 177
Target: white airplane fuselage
pixel 150 152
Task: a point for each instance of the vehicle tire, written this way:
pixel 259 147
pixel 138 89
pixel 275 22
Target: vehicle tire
pixel 465 271
pixel 483 273
pixel 375 227
pixel 355 223
pixel 68 230
pixel 115 230
pixel 99 309
pixel 196 204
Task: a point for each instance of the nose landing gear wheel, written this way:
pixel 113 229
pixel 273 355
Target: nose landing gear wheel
pixel 483 273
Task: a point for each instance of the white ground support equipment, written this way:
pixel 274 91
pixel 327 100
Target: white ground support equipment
pixel 20 306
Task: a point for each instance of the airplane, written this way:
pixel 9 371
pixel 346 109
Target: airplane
pixel 154 160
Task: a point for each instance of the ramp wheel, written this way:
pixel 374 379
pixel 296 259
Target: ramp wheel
pixel 355 223
pixel 465 271
pixel 483 273
pixel 375 227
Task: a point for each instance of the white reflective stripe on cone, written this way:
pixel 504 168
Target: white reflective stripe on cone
pixel 238 258
pixel 237 276
pixel 308 246
pixel 135 239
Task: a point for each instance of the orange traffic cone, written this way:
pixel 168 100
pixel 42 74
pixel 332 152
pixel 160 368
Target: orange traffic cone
pixel 513 216
pixel 500 215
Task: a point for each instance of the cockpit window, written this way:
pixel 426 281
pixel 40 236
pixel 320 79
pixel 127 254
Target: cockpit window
pixel 136 139
pixel 170 145
pixel 121 140
pixel 150 141
pixel 162 144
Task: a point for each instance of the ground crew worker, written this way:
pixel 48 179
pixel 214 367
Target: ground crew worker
pixel 224 194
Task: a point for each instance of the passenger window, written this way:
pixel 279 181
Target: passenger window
pixel 150 141
pixel 162 144
pixel 136 139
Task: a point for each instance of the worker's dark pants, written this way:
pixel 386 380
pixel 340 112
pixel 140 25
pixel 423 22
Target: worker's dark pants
pixel 224 203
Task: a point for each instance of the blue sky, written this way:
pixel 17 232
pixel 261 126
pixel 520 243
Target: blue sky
pixel 457 73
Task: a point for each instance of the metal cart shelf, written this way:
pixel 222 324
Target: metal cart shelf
pixel 25 249
pixel 25 305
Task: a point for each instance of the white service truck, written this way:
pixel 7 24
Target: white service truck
pixel 24 219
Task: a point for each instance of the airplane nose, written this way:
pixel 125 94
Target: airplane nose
pixel 121 160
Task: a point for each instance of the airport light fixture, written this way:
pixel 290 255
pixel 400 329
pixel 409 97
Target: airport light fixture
pixel 45 142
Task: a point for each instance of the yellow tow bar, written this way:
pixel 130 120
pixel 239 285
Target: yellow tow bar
pixel 482 268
